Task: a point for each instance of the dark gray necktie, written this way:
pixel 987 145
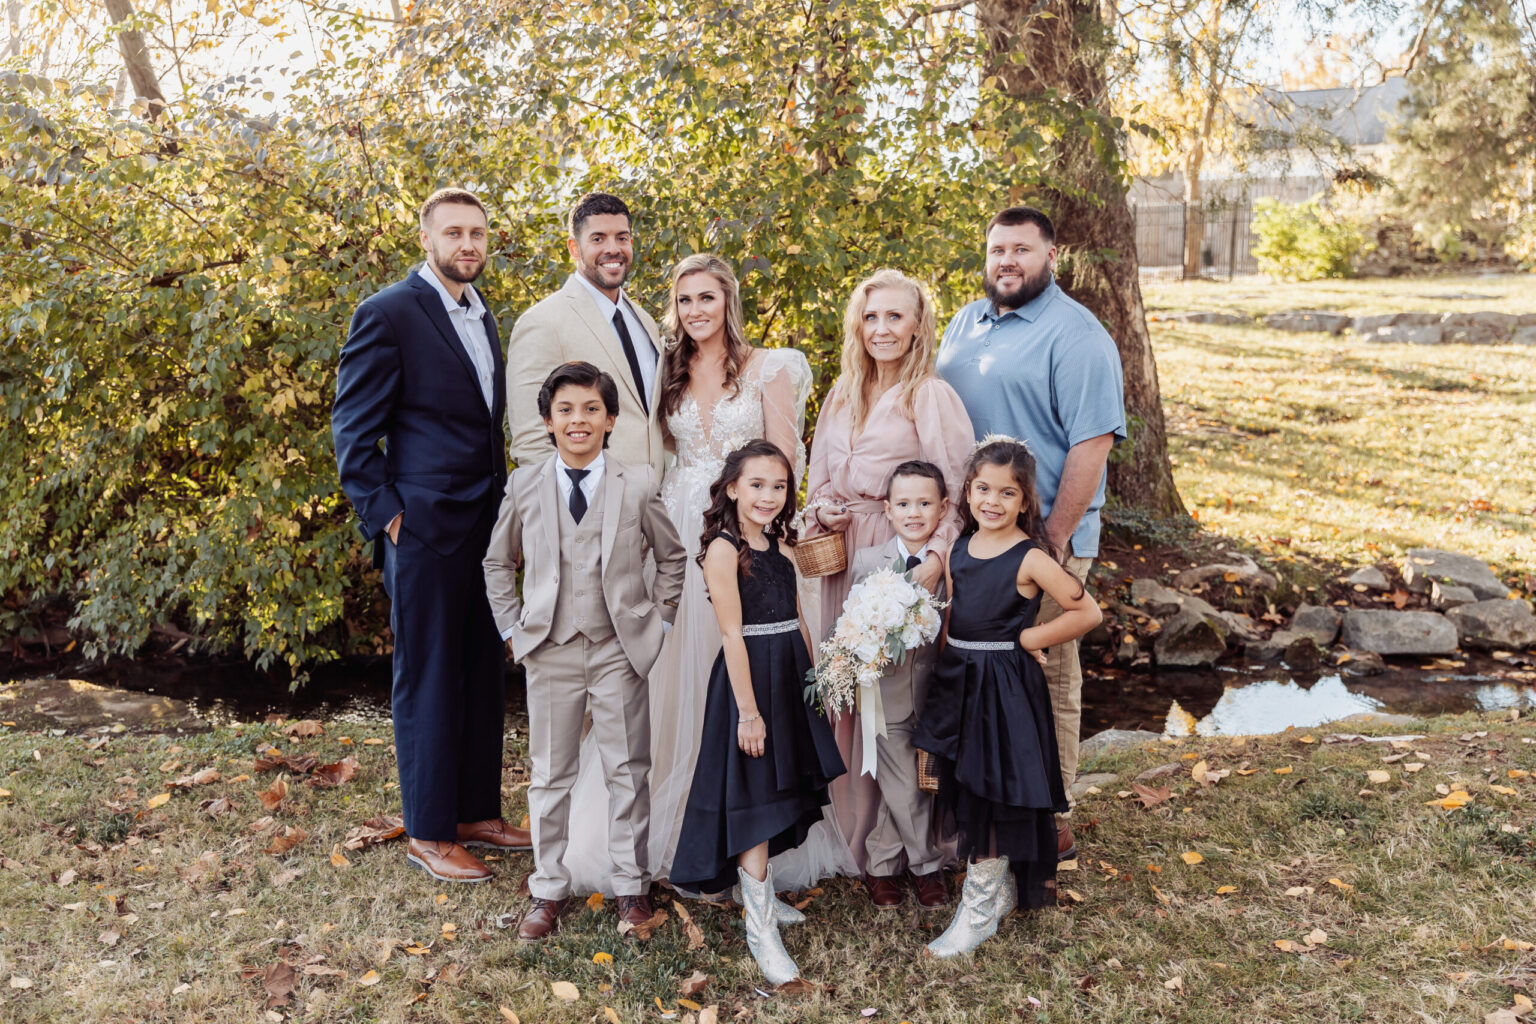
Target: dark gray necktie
pixel 578 502
pixel 913 561
pixel 630 354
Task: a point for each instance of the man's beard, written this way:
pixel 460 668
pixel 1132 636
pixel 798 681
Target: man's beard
pixel 594 273
pixel 450 268
pixel 1024 293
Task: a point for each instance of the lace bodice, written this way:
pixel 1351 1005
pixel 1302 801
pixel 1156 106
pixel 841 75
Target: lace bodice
pixel 703 441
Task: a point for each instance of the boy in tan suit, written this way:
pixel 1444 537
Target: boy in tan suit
pixel 915 504
pixel 586 627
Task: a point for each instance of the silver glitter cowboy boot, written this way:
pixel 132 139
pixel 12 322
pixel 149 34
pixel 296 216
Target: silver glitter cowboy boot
pixel 988 896
pixel 763 930
pixel 783 913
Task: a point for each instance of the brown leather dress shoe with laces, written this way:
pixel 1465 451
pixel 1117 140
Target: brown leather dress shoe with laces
pixel 541 920
pixel 633 911
pixel 445 861
pixel 495 834
pixel 884 891
pixel 1066 846
pixel 932 890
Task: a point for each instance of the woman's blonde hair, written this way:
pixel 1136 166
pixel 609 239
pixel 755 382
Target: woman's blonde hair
pixel 681 347
pixel 858 369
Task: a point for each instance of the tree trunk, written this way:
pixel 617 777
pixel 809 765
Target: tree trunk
pixel 141 71
pixel 1033 54
pixel 13 15
pixel 1194 211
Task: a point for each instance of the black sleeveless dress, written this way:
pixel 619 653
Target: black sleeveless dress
pixel 988 718
pixel 739 801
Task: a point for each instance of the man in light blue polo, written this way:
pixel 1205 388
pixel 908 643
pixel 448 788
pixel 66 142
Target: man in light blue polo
pixel 1030 362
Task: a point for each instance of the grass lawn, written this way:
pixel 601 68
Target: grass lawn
pixel 1348 451
pixel 1388 909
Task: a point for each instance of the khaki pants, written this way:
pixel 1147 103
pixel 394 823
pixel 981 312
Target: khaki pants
pixel 903 832
pixel 1064 677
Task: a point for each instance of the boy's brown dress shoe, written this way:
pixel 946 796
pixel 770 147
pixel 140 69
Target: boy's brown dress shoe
pixel 932 890
pixel 884 891
pixel 542 919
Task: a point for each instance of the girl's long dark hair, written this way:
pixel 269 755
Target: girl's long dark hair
pixel 677 362
pixel 1014 457
pixel 720 517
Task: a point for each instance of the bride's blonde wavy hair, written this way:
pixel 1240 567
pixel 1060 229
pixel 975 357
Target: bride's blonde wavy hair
pixel 858 367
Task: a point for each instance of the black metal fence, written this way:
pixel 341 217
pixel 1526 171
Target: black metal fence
pixel 1226 239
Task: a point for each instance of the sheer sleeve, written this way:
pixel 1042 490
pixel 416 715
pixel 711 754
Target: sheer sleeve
pixel 945 435
pixel 786 384
pixel 818 483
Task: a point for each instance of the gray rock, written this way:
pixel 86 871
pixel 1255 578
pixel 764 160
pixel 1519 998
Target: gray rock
pixel 1449 595
pixel 1408 334
pixel 1128 648
pixel 1302 654
pixel 1526 320
pixel 1240 625
pixel 1358 664
pixel 1245 571
pixel 1307 320
pixel 1370 324
pixel 1524 335
pixel 1160 602
pixel 1272 649
pixel 1499 624
pixel 1392 632
pixel 1205 317
pixel 1376 718
pixel 1472 334
pixel 1321 624
pixel 1369 577
pixel 1424 566
pixel 1100 779
pixel 1459 296
pixel 1417 319
pixel 1191 638
pixel 1499 323
pixel 1111 740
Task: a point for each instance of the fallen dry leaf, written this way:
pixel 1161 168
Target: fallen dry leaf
pixel 19 981
pixel 1175 983
pixel 1284 771
pixel 611 1015
pixel 1300 890
pixel 711 1014
pixel 1413 767
pixel 371 978
pixel 1454 802
pixel 1191 857
pixel 338 859
pixel 564 991
pixel 595 901
pixel 158 800
pixel 308 727
pixel 290 838
pixel 274 794
pixel 694 984
pixel 690 928
pixel 67 877
pixel 1073 895
pixel 216 807
pixel 1341 885
pixel 1222 890
pixel 510 1015
pixel 278 981
pixel 1505 790
pixel 1317 937
pixel 374 831
pixel 328 776
pixel 1377 776
pixel 645 929
pixel 1150 797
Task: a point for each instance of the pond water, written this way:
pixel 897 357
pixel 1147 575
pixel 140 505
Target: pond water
pixel 1213 702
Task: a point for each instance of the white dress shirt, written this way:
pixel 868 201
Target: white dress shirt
pixel 588 483
pixel 470 324
pixel 645 352
pixel 898 549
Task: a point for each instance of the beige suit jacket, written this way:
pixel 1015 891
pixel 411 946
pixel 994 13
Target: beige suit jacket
pixel 567 326
pixel 634 522
pixel 903 687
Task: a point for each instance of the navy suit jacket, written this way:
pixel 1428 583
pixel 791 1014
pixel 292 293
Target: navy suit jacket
pixel 405 378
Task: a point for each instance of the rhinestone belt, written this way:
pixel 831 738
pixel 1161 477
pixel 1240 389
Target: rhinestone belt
pixel 984 645
pixel 769 628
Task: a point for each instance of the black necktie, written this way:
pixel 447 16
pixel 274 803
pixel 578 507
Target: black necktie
pixel 578 500
pixel 913 561
pixel 629 353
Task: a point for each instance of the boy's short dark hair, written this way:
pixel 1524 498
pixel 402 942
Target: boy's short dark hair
pixel 596 204
pixel 578 374
pixel 917 467
pixel 448 195
pixel 1013 216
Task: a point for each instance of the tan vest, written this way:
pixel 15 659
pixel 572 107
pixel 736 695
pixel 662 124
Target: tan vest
pixel 580 608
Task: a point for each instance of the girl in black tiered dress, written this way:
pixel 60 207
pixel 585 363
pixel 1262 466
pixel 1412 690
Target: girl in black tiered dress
pixel 765 755
pixel 988 712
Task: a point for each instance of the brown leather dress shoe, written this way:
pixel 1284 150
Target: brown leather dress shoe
pixel 884 891
pixel 633 911
pixel 541 919
pixel 1066 846
pixel 495 834
pixel 446 862
pixel 932 890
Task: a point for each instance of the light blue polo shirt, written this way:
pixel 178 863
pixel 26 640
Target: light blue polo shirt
pixel 1046 373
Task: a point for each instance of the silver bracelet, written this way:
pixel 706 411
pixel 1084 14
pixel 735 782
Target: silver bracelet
pixel 748 719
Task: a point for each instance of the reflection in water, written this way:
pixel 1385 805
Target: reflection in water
pixel 1272 705
pixel 1499 696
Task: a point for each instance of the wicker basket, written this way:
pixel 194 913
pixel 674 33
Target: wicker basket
pixel 821 556
pixel 927 772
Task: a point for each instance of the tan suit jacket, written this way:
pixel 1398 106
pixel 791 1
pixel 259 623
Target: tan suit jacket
pixel 567 326
pixel 903 687
pixel 634 522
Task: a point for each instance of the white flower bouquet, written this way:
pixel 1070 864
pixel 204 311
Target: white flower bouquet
pixel 885 616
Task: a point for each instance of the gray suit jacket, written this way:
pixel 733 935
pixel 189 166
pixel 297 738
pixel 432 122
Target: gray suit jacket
pixel 635 521
pixel 558 329
pixel 904 686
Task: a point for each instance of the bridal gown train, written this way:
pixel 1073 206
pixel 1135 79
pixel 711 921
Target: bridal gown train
pixel 771 403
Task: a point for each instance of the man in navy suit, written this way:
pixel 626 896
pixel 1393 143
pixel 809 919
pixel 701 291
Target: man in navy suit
pixel 422 370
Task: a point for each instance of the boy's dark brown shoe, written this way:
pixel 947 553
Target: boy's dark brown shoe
pixel 541 920
pixel 884 891
pixel 932 890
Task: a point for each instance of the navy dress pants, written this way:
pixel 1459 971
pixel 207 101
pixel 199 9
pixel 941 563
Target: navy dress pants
pixel 448 698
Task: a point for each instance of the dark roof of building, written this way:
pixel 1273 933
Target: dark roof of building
pixel 1355 117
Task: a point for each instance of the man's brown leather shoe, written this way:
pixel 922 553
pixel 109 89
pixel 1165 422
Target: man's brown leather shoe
pixel 495 834
pixel 634 910
pixel 884 891
pixel 932 889
pixel 1066 846
pixel 542 919
pixel 446 862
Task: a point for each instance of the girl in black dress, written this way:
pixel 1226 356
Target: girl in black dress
pixel 988 713
pixel 765 755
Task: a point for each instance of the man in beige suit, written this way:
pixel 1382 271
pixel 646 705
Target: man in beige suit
pixel 915 504
pixel 587 627
pixel 591 319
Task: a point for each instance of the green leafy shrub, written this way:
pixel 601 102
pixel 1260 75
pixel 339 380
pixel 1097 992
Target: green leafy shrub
pixel 1304 241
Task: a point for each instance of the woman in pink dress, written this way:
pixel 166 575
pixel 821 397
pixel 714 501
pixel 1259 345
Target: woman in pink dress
pixel 886 408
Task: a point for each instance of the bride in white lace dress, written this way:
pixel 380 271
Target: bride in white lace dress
pixel 716 393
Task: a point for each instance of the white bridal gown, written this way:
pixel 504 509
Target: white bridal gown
pixel 771 403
